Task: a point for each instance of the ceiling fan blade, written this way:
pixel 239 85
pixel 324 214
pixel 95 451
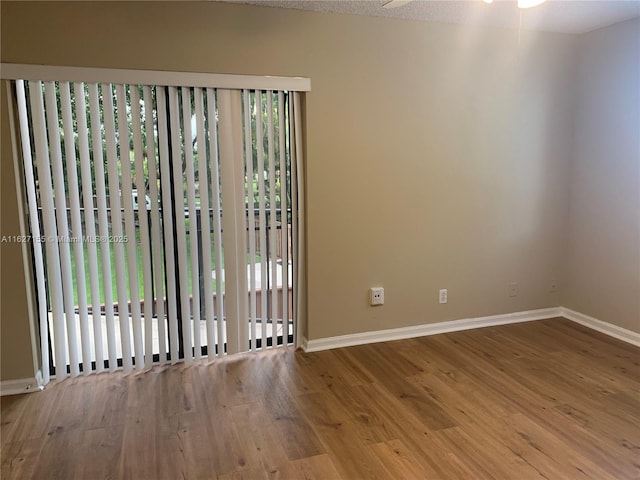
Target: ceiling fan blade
pixel 396 3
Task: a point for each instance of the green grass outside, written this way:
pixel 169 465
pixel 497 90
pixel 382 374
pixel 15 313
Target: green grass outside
pixel 140 268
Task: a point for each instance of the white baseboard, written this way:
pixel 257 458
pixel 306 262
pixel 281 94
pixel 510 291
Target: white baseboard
pixel 604 327
pixel 428 329
pixel 22 385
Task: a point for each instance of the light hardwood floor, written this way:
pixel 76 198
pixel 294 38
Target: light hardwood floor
pixel 541 400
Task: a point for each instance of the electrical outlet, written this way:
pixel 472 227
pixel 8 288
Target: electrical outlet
pixel 376 296
pixel 513 289
pixel 442 296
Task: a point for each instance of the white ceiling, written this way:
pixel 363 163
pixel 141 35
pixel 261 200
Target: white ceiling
pixel 564 16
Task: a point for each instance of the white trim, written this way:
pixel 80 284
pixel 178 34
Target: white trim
pixel 298 223
pixel 610 329
pixel 51 73
pixel 22 385
pixel 27 262
pixel 428 329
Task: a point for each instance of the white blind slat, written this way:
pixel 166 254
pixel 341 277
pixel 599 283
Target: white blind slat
pixel 59 199
pixel 34 224
pixel 217 209
pixel 284 217
pixel 49 228
pixel 238 206
pixel 132 322
pixel 251 222
pixel 181 234
pixel 116 227
pixel 228 220
pixel 103 223
pixel 167 221
pixel 205 227
pixel 89 222
pixel 143 226
pixel 143 341
pixel 76 223
pixel 273 233
pixel 262 222
pixel 193 221
pixel 156 238
pixel 233 219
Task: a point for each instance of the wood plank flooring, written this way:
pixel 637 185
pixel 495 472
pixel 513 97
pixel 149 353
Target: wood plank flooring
pixel 540 400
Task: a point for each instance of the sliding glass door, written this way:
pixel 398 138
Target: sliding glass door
pixel 163 220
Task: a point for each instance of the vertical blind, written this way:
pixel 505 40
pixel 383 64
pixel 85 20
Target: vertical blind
pixel 164 220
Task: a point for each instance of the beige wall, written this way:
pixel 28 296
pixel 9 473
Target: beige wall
pixel 437 155
pixel 603 260
pixel 16 360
